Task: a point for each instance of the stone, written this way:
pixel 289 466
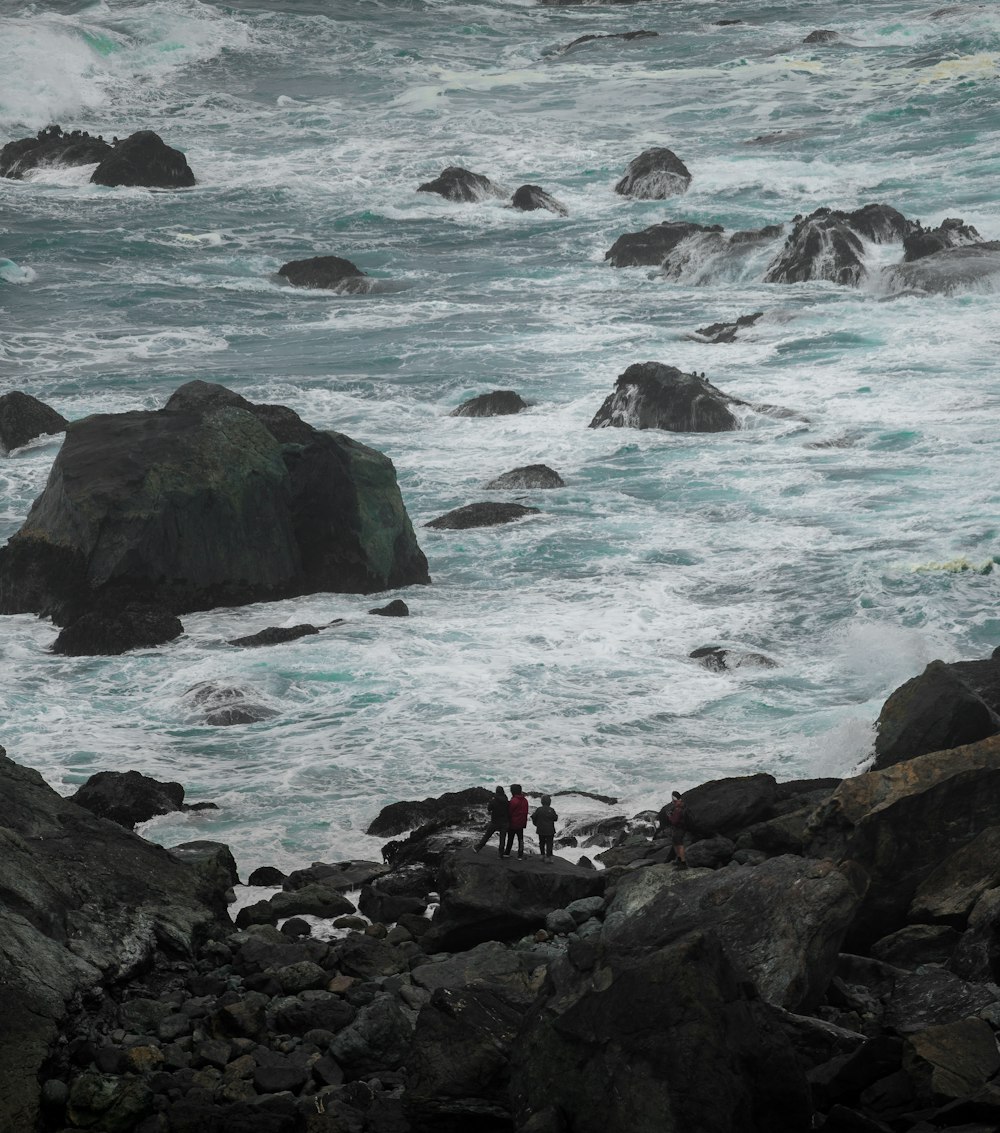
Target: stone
pixel 378 1038
pixel 309 1011
pixel 211 862
pixel 481 515
pixel 654 175
pixel 499 403
pixel 977 953
pixel 951 1061
pixel 916 945
pixel 822 245
pixel 531 476
pixel 144 159
pixel 317 900
pixel 727 332
pixel 275 635
pixel 628 36
pixel 351 874
pixel 952 232
pixel 515 977
pixel 822 36
pixel 453 807
pixel 719 659
pixel 397 608
pixel 953 888
pixel 949 271
pixel 529 198
pixel 650 395
pixel 128 797
pixel 51 146
pixel 458 184
pixel 112 1104
pixel 112 630
pixel 367 957
pixel 23 418
pixel 653 246
pixel 327 273
pixel 387 907
pixel 266 875
pixel 725 806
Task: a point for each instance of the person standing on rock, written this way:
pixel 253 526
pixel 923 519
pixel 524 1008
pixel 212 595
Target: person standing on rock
pixel 544 820
pixel 672 819
pixel 499 822
pixel 518 807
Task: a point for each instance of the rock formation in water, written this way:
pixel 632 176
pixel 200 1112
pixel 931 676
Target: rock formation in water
pixel 727 332
pixel 951 269
pixel 111 627
pixel 651 246
pixel 144 159
pixel 654 175
pixel 626 36
pixel 458 184
pixel 51 146
pixel 480 515
pixel 952 232
pixel 328 273
pixel 210 501
pixel 651 395
pixel 23 418
pixel 529 198
pixel 529 476
pixel 499 403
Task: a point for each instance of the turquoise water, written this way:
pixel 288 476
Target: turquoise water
pixel 553 651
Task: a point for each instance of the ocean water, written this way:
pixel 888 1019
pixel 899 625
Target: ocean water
pixel 851 543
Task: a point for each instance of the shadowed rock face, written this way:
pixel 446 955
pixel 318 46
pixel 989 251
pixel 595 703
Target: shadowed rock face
pixel 651 246
pixel 458 184
pixel 650 395
pixel 128 797
pixel 23 418
pixel 654 175
pixel 209 501
pixel 330 273
pixel 952 232
pixel 481 515
pixel 113 629
pixel 51 147
pixel 144 159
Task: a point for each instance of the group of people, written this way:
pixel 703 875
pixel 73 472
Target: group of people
pixel 509 819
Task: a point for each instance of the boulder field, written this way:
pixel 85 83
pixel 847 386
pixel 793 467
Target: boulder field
pixel 827 960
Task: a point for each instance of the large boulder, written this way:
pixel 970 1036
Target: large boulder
pixel 51 147
pixel 652 246
pixel 932 712
pixel 454 807
pixel 498 403
pixel 651 395
pixel 822 245
pixel 952 232
pixel 530 198
pixel 484 897
pixel 458 184
pixel 210 501
pixel 128 797
pixel 949 270
pixel 951 891
pixel 327 273
pixel 726 806
pixel 487 514
pixel 23 418
pixel 115 628
pixel 83 902
pixel 529 476
pixel 144 159
pixel 654 175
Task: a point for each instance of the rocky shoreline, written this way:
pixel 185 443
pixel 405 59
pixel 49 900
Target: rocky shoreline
pixel 827 960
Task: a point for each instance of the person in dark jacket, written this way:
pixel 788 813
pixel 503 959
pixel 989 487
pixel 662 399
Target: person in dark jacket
pixel 518 807
pixel 673 821
pixel 544 820
pixel 499 822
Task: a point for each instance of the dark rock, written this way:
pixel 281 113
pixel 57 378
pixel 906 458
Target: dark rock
pixel 513 976
pixel 710 853
pixel 317 900
pixel 499 403
pixel 949 893
pixel 484 897
pixel 337 875
pixel 977 953
pixel 815 1041
pixel 275 635
pixel 822 36
pixel 650 395
pixel 529 198
pixel 367 957
pixel 726 332
pixel 327 273
pixel 108 1102
pixel 280 1076
pixel 952 1061
pixel 952 232
pixel 127 797
pixel 331 509
pixel 397 608
pixel 51 147
pixel 387 907
pixel 144 159
pixel 455 807
pixel 296 927
pixel 844 1078
pixel 23 417
pixel 111 630
pixel 751 236
pixel 628 36
pixel 212 862
pixel 531 476
pixel 481 515
pixel 458 184
pixel 725 806
pixel 225 706
pixel 932 712
pixel 881 224
pixel 948 271
pixel 654 175
pixel 918 944
pixel 652 246
pixel 822 245
pixel 266 875
pixel 378 1038
pixel 720 660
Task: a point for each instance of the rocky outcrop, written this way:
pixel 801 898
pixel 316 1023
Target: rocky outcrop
pixel 51 147
pixel 727 332
pixel 652 246
pixel 529 198
pixel 144 159
pixel 952 232
pixel 823 35
pixel 481 515
pixel 112 629
pixel 654 175
pixel 650 395
pixel 626 36
pixel 128 797
pixel 275 635
pixel 210 501
pixel 458 184
pixel 397 608
pixel 222 706
pixel 720 659
pixel 326 273
pixel 498 403
pixel 23 418
pixel 949 270
pixel 454 808
pixel 527 477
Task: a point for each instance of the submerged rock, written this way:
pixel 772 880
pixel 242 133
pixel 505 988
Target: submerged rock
pixel 720 659
pixel 652 246
pixel 481 515
pixel 458 184
pixel 23 418
pixel 327 273
pixel 531 197
pixel 397 608
pixel 224 706
pixel 275 635
pixel 823 35
pixel 627 36
pixel 530 476
pixel 654 175
pixel 51 147
pixel 499 403
pixel 650 395
pixel 144 159
pixel 726 332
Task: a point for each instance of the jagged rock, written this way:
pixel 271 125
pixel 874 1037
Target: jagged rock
pixel 976 955
pixel 725 806
pixel 531 476
pixel 51 147
pixel 499 403
pixel 339 875
pixel 514 976
pixel 652 246
pixel 387 908
pixel 23 418
pixel 882 224
pixel 628 36
pixel 209 501
pixel 948 271
pixel 309 1010
pixel 822 36
pixel 821 246
pixel 484 897
pixel 932 712
pixel 650 395
pixel 481 515
pixel 953 888
pixel 458 808
pixel 317 900
pixel 726 332
pixel 111 630
pixel 378 1038
pixel 719 659
pixel 917 944
pixel 212 862
pixel 654 175
pixel 144 159
pixel 275 635
pixel 327 273
pixel 604 1048
pixel 458 184
pixel 127 797
pixel 529 198
pixel 952 1061
pixel 366 958
pixel 952 232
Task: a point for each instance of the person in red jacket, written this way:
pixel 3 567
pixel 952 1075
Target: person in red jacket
pixel 518 807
